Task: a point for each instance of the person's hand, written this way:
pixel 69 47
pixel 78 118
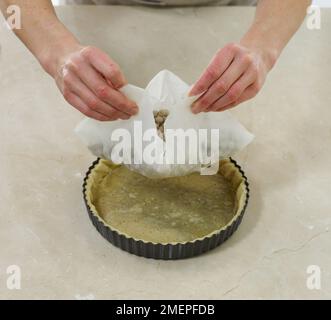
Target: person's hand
pixel 234 75
pixel 89 80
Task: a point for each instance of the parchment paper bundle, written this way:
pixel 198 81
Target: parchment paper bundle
pixel 152 156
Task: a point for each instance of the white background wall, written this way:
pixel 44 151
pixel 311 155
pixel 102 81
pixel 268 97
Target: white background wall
pixel 322 3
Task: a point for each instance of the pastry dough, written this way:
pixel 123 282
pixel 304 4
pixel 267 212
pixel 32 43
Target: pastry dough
pixel 171 210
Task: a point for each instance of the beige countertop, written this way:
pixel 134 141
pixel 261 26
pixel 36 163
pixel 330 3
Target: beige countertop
pixel 44 227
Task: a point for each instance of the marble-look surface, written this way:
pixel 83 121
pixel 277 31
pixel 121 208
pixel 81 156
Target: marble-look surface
pixel 44 227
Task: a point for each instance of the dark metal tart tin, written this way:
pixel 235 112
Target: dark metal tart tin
pixel 171 251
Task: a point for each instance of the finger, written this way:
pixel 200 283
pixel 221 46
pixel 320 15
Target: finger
pixel 248 94
pixel 80 105
pixel 104 91
pixel 221 87
pixel 229 106
pixel 215 69
pixel 106 66
pixel 236 91
pixel 74 84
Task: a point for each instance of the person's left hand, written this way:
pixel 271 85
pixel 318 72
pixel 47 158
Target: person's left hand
pixel 235 74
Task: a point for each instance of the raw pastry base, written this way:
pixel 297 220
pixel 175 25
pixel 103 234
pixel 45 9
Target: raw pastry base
pixel 165 211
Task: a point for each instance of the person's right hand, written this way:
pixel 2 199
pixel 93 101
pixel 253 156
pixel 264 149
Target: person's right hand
pixel 89 80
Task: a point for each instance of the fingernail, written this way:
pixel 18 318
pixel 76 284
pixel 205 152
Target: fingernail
pixel 135 110
pixel 196 105
pixel 193 92
pixel 195 110
pixel 196 90
pixel 119 86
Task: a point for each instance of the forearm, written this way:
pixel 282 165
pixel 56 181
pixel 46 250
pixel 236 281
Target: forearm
pixel 274 24
pixel 41 32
